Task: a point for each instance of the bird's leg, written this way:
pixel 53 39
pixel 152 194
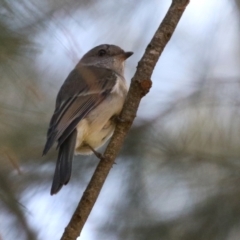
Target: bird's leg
pixel 97 154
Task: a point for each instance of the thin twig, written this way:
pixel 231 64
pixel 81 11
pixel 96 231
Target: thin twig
pixel 140 85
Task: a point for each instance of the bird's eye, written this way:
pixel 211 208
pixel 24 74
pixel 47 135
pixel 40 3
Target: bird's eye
pixel 101 52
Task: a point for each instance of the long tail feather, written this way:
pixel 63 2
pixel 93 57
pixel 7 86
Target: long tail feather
pixel 64 163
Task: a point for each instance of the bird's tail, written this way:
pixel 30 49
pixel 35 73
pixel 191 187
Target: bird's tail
pixel 64 163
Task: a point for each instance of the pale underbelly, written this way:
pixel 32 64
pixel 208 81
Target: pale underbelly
pixel 98 126
pixel 95 139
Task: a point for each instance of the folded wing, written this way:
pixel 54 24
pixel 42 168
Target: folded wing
pixel 84 89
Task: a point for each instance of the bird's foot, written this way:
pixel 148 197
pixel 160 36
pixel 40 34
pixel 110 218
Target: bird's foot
pixel 119 119
pixel 96 153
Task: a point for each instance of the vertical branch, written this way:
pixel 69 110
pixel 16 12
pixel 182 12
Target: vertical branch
pixel 140 85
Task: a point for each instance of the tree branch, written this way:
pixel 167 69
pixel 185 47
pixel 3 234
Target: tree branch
pixel 140 85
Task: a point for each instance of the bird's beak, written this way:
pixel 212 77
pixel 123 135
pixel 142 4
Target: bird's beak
pixel 127 55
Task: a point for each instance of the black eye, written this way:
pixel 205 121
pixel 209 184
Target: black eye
pixel 101 52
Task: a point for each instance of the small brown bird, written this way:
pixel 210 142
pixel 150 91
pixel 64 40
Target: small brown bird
pixel 87 104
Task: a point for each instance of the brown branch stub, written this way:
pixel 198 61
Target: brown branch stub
pixel 145 85
pixel 140 85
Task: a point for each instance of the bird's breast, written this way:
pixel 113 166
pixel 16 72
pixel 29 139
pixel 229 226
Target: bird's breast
pixel 100 123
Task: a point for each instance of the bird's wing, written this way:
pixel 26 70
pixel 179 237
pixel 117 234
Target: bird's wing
pixel 84 89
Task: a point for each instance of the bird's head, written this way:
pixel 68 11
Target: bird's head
pixel 106 56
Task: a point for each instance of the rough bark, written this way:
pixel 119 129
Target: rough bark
pixel 140 85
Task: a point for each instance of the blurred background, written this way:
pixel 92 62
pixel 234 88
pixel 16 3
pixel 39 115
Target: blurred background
pixel 178 174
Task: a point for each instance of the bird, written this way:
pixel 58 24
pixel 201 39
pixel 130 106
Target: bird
pixel 87 106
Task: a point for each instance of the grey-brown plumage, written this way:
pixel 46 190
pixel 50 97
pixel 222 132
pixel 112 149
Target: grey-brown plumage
pixel 92 94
